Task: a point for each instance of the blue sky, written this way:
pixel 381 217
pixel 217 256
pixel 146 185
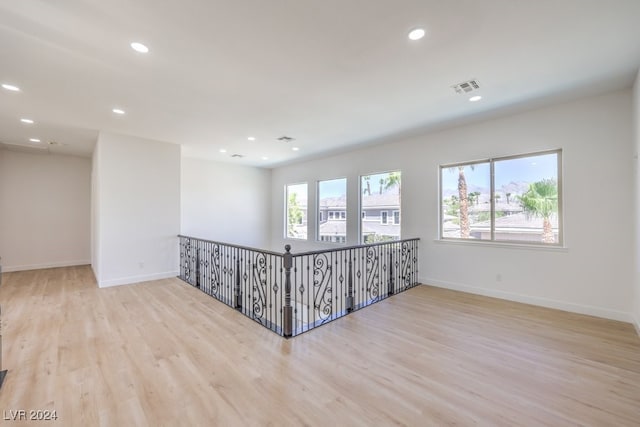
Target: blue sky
pixel 525 169
pixel 332 188
pixel 338 187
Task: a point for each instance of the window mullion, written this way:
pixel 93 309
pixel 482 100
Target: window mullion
pixel 492 205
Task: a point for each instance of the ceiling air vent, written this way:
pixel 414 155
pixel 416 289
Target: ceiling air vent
pixel 285 138
pixel 466 87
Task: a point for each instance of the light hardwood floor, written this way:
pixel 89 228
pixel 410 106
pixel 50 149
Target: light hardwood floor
pixel 163 353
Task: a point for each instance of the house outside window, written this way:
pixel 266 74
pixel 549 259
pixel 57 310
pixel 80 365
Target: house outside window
pixel 383 217
pixel 380 194
pixel 332 198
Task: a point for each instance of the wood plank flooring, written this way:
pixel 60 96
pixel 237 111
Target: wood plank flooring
pixel 164 354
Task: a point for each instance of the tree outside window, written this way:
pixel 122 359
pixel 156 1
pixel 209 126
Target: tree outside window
pixel 296 196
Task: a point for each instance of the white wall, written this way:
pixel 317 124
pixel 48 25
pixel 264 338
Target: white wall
pixel 137 209
pixel 44 210
pixel 95 211
pixel 226 203
pixel 636 259
pixel 592 275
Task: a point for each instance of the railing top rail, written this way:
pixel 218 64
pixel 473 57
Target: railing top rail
pixel 346 248
pixel 264 251
pixel 297 254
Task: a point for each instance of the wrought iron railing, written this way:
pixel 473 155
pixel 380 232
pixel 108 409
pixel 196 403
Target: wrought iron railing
pixel 293 293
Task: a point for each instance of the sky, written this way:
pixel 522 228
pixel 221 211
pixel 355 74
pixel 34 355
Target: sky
pixel 338 187
pixel 524 169
pixel 332 188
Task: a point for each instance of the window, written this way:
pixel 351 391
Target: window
pixel 383 217
pixel 379 194
pixel 296 211
pixel 332 194
pixel 526 203
pixel 396 217
pixel 466 200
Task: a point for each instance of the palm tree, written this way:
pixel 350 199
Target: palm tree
pixel 368 189
pixel 541 200
pixel 508 197
pixel 464 203
pixel 392 179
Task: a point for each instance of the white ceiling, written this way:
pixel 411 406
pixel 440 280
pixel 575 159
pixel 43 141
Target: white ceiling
pixel 330 73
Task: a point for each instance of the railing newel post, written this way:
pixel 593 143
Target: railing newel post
pixel 287 310
pixel 237 290
pixel 197 265
pixel 391 289
pixel 349 304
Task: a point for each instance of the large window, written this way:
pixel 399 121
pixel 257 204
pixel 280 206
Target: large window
pixel 332 210
pixel 380 195
pixel 296 208
pixel 525 206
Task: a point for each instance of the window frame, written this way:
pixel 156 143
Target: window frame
pixel 394 216
pixel 331 214
pixel 365 217
pixel 286 211
pixel 492 241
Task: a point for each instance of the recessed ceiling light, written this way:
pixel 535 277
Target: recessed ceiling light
pixel 118 111
pixel 265 158
pixel 139 47
pixel 295 148
pixel 251 138
pixel 34 140
pixel 222 150
pixel 27 121
pixel 416 34
pixel 12 88
pixel 475 98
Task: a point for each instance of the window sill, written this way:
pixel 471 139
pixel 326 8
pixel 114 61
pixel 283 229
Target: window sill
pixel 508 245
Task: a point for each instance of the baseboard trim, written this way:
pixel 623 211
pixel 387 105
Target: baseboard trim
pixel 636 323
pixel 137 279
pixel 9 269
pixel 542 302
